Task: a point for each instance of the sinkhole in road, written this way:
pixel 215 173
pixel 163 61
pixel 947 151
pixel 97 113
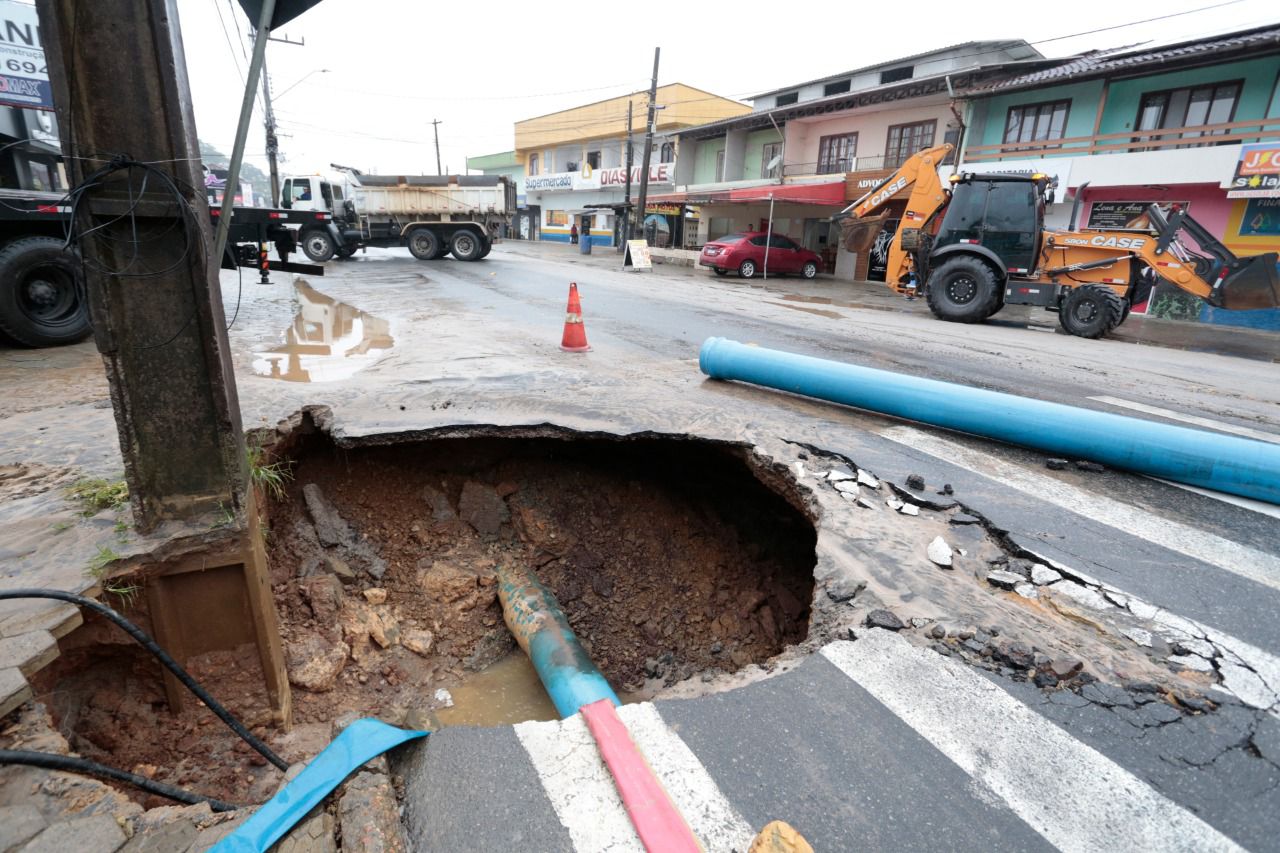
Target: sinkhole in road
pixel 673 559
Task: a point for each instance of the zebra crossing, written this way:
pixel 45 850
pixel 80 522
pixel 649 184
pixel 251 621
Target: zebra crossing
pixel 871 743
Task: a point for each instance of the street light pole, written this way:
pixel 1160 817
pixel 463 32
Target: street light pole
pixel 648 139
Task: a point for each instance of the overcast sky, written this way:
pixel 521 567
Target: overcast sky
pixel 394 65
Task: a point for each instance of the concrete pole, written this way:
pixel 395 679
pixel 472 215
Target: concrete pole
pixel 119 81
pixel 273 143
pixel 648 138
pixel 435 127
pixel 626 198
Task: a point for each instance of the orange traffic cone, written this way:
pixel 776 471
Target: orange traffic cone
pixel 575 334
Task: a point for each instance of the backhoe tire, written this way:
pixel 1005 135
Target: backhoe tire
pixel 318 246
pixel 467 245
pixel 424 244
pixel 1091 310
pixel 963 290
pixel 43 302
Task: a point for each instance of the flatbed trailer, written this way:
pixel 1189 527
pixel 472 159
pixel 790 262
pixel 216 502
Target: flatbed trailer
pixel 43 299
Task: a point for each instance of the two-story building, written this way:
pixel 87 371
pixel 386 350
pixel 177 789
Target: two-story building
pixel 806 150
pixel 1195 123
pixel 574 160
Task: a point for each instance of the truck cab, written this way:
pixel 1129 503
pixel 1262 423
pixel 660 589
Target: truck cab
pixel 312 192
pixel 1000 217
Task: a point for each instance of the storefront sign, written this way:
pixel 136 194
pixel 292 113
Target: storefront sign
pixel 638 256
pixel 1257 172
pixel 665 209
pixel 1261 218
pixel 595 179
pixel 1057 168
pixel 1125 215
pixel 24 77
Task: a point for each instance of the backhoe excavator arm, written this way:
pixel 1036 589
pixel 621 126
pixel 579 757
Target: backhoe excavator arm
pixel 860 226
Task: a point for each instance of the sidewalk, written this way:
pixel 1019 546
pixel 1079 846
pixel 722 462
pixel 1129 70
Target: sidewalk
pixel 1148 331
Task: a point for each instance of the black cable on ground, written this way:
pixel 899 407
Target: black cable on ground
pixel 53 761
pixel 161 655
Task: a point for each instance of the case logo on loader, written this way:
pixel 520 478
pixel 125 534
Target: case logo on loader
pixel 888 191
pixel 1108 242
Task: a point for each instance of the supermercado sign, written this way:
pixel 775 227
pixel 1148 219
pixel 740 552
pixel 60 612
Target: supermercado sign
pixel 595 179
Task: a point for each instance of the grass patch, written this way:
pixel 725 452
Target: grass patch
pixel 95 495
pixel 98 562
pixel 268 476
pixel 127 593
pixel 60 526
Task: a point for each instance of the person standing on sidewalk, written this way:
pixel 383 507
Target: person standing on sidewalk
pixel 573 233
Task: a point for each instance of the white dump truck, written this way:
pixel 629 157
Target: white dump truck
pixel 431 214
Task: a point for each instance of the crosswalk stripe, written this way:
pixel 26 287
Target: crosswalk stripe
pixel 585 800
pixel 1208 423
pixel 578 785
pixel 1227 555
pixel 711 817
pixel 1075 797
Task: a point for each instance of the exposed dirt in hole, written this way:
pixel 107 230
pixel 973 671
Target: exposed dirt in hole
pixel 669 557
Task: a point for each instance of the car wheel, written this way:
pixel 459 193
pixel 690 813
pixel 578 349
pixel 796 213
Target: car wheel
pixel 809 270
pixel 719 271
pixel 318 246
pixel 963 290
pixel 1091 310
pixel 42 296
pixel 423 244
pixel 466 245
pixel 747 269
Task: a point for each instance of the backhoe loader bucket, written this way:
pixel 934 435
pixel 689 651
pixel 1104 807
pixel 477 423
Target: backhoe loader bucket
pixel 858 235
pixel 1253 283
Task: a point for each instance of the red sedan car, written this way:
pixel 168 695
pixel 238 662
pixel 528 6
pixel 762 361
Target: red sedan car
pixel 744 254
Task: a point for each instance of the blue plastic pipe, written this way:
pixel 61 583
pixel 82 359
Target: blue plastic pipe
pixel 536 621
pixel 1225 463
pixel 354 746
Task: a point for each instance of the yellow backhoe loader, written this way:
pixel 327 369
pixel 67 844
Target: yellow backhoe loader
pixel 978 243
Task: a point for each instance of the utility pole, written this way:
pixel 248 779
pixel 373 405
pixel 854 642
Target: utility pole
pixel 648 139
pixel 273 144
pixel 119 79
pixel 435 126
pixel 626 211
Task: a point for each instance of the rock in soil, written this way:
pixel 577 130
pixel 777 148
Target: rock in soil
pixel 1091 467
pixel 1056 464
pixel 331 529
pixel 915 482
pixel 369 816
pixel 481 508
pixel 315 663
pixel 886 619
pixel 940 552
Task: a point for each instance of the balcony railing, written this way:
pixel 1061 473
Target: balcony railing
pixel 1165 139
pixel 834 167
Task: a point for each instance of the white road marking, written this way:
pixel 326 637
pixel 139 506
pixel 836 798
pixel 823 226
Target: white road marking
pixel 1071 794
pixel 1261 507
pixel 582 792
pixel 578 785
pixel 1248 563
pixel 711 817
pixel 1207 423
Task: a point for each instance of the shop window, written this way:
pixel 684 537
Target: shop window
pixel 787 99
pixel 593 159
pixel 905 140
pixel 1037 122
pixel 533 164
pixel 557 217
pixel 770 152
pixel 1214 103
pixel 837 88
pixel 836 153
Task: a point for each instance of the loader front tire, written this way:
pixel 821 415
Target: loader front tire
pixel 963 290
pixel 1091 310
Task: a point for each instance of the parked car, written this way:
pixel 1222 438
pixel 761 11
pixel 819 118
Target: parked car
pixel 745 254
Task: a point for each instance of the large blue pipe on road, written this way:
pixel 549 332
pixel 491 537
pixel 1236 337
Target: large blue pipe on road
pixel 1211 460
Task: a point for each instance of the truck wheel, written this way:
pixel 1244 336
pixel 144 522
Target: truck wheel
pixel 318 246
pixel 1091 310
pixel 963 290
pixel 488 247
pixel 344 253
pixel 424 244
pixel 42 295
pixel 466 245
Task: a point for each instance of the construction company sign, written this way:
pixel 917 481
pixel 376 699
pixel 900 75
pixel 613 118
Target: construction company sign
pixel 596 179
pixel 24 77
pixel 1257 172
pixel 1057 168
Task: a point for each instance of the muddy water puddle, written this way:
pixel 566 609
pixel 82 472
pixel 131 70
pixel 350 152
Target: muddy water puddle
pixel 504 693
pixel 327 341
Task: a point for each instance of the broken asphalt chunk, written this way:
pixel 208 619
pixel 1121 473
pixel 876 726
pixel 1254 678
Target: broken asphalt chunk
pixel 940 552
pixel 1091 467
pixel 1003 579
pixel 1042 575
pixel 1056 464
pixel 909 509
pixel 866 479
pixel 886 619
pixel 964 518
pixel 848 487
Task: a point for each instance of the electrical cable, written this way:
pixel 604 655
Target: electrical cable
pixel 53 761
pixel 161 655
